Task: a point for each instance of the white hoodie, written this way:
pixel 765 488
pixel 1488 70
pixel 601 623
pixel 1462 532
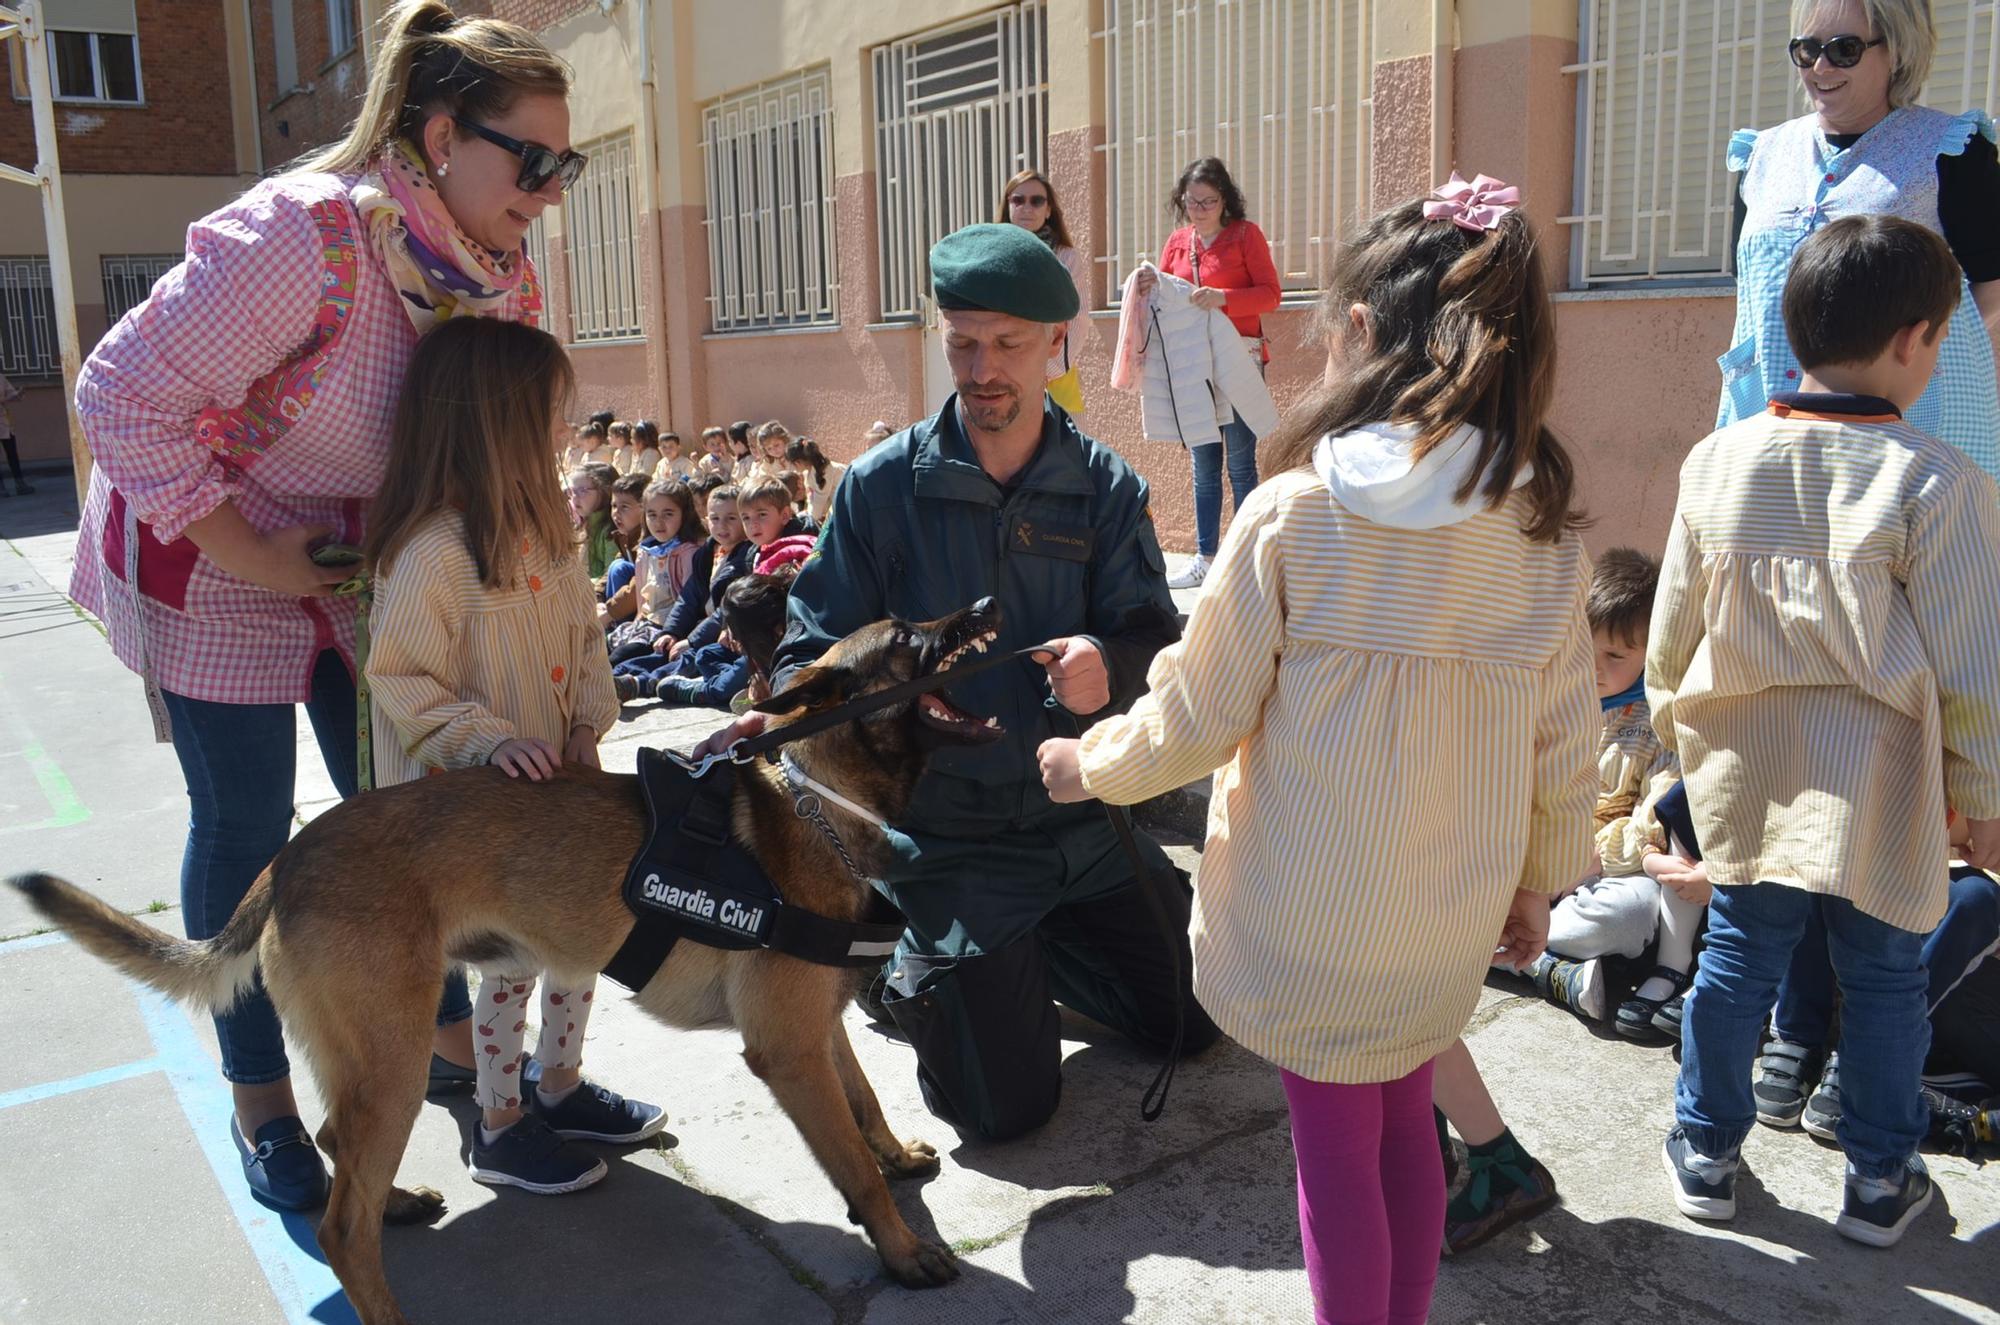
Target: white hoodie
pixel 1369 472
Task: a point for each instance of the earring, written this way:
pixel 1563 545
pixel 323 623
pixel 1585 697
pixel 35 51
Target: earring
pixel 444 168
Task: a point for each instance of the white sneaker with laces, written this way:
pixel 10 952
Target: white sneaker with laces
pixel 1191 578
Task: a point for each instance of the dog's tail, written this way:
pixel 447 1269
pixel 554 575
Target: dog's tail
pixel 207 973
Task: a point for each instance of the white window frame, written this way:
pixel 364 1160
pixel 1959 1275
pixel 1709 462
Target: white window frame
pixel 28 348
pixel 768 167
pixel 97 71
pixel 1661 210
pixel 119 270
pixel 342 29
pixel 600 218
pixel 1281 90
pixel 971 96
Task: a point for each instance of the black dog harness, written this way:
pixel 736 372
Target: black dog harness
pixel 693 880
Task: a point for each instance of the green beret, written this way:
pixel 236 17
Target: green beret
pixel 1004 269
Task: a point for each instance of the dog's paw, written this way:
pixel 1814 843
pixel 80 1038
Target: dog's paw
pixel 918 1159
pixel 416 1205
pixel 927 1265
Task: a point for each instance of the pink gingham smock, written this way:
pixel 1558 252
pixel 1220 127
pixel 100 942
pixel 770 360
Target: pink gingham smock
pixel 242 303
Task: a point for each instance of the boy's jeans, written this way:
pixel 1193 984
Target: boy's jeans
pixel 1884 1032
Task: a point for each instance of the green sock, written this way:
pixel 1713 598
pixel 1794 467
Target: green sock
pixel 1497 1167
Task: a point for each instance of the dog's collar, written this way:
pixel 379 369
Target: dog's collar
pixel 803 782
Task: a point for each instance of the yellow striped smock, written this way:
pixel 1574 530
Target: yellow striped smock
pixel 1406 722
pixel 455 668
pixel 1824 656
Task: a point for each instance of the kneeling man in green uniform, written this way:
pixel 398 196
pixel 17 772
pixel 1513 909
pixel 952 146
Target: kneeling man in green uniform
pixel 1015 904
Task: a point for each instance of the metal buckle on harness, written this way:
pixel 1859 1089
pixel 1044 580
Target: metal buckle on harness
pixel 698 768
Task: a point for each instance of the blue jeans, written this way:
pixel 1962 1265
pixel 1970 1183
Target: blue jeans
pixel 1752 933
pixel 1241 444
pixel 1970 927
pixel 240 763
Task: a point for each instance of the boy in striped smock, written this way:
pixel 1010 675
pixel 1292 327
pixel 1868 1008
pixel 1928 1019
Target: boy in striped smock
pixel 1329 936
pixel 1824 627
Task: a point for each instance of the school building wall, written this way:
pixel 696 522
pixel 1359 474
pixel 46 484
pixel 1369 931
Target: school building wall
pixel 1473 84
pixel 134 176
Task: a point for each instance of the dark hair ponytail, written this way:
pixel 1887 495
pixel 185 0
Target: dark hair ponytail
pixel 1460 331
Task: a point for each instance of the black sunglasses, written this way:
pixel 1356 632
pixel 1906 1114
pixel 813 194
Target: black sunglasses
pixel 1842 52
pixel 539 164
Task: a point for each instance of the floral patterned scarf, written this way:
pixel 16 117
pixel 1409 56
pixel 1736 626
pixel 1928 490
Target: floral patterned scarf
pixel 439 270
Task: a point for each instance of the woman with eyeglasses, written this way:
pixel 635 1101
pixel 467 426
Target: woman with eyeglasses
pixel 1219 248
pixel 1867 148
pixel 240 421
pixel 1029 201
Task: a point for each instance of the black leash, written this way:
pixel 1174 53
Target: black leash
pixel 1151 883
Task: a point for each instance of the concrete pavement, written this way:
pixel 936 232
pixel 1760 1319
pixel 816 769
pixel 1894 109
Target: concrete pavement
pixel 123 1204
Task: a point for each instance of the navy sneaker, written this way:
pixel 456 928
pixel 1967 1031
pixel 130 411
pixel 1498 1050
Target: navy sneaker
pixel 1877 1210
pixel 1785 1074
pixel 677 690
pixel 283 1166
pixel 530 1156
pixel 1821 1115
pixel 595 1113
pixel 1704 1188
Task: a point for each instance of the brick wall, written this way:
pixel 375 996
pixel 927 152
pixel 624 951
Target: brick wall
pixel 183 128
pixel 293 121
pixel 537 14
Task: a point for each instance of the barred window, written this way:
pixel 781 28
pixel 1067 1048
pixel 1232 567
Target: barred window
pixel 340 33
pixel 29 351
pixel 601 241
pixel 767 155
pixel 129 278
pixel 1280 90
pixel 1662 86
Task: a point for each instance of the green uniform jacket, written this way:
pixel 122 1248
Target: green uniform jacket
pixel 918 530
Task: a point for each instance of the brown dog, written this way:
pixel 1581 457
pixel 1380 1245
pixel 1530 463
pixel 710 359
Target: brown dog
pixel 356 920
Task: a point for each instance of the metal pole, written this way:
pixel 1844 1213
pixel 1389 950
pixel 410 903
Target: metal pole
pixel 25 16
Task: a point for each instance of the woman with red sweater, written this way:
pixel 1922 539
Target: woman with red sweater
pixel 1220 249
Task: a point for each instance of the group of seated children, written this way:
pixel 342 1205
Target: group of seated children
pixel 664 535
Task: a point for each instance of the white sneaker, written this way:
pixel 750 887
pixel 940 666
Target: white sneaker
pixel 1191 578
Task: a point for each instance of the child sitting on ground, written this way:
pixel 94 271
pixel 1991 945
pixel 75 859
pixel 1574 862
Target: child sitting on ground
pixel 702 669
pixel 601 445
pixel 672 464
pixel 1621 908
pixel 666 561
pixel 621 446
pixel 820 475
pixel 714 459
pixel 589 488
pixel 480 601
pixel 645 448
pixel 1329 937
pixel 772 440
pixel 628 532
pixel 742 458
pixel 725 555
pixel 1824 627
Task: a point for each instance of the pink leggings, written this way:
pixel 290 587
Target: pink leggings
pixel 1371 1197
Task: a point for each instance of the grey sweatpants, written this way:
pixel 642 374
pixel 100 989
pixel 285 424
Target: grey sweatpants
pixel 1605 916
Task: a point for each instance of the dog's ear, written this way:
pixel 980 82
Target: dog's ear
pixel 811 688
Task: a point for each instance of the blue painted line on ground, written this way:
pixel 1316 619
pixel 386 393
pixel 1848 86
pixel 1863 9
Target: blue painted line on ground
pixel 283 1244
pixel 85 1081
pixel 32 942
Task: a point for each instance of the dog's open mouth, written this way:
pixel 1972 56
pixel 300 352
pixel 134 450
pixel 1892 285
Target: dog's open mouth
pixel 937 710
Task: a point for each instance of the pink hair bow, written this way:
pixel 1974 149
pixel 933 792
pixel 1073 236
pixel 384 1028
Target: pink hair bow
pixel 1478 205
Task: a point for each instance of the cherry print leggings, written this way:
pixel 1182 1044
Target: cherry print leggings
pixel 1371 1197
pixel 501 1028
